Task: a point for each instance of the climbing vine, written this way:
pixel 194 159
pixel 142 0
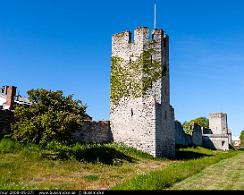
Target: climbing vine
pixel 126 80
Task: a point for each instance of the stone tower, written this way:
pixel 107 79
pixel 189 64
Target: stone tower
pixel 140 111
pixel 218 123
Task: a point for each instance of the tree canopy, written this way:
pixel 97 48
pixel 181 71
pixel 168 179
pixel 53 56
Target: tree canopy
pixel 242 137
pixel 202 121
pixel 52 117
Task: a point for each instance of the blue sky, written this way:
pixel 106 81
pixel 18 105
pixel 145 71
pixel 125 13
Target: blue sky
pixel 66 45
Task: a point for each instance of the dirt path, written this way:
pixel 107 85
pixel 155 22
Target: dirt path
pixel 225 175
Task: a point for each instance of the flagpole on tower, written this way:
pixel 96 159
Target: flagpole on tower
pixel 155 14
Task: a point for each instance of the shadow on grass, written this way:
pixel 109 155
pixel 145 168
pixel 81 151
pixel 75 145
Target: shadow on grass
pixel 94 154
pixel 189 155
pixel 186 153
pixel 103 155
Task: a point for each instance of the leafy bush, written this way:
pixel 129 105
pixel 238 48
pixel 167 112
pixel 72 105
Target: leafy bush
pixel 52 117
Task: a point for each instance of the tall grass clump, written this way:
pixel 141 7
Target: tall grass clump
pixel 10 146
pixel 93 153
pixel 112 154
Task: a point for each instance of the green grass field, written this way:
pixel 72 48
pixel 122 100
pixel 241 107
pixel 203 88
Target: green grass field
pixel 178 171
pixel 108 166
pixel 29 167
pixel 225 175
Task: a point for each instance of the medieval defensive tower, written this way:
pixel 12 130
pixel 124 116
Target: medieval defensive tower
pixel 218 123
pixel 140 111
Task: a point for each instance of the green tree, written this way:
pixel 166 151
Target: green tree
pixel 242 137
pixel 52 117
pixel 202 121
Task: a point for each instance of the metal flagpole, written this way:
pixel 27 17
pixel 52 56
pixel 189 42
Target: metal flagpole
pixel 155 14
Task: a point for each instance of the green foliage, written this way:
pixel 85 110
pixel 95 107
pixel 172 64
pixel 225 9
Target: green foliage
pixel 187 127
pixel 242 138
pixel 126 81
pixel 29 150
pixel 91 177
pixel 202 121
pixel 51 117
pixel 165 178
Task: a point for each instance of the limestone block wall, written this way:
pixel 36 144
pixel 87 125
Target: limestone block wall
pixel 206 130
pixel 196 135
pixel 93 132
pixel 230 136
pixel 181 138
pixel 135 123
pixel 217 142
pixel 168 131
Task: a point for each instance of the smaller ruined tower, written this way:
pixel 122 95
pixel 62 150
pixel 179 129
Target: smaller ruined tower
pixel 218 123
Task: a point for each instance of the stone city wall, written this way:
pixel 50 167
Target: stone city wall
pixel 216 142
pixel 196 134
pixel 93 132
pixel 181 138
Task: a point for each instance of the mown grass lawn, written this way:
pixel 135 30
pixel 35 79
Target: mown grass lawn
pixel 165 178
pixel 225 175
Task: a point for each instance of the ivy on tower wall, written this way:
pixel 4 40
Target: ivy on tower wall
pixel 134 78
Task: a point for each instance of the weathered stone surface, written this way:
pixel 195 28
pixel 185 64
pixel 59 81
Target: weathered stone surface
pixel 196 135
pixel 145 122
pixel 181 138
pixel 218 123
pixel 216 141
pixel 219 126
pixel 93 132
pixel 219 137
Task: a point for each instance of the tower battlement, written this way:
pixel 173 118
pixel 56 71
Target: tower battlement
pixel 218 123
pixel 142 38
pixel 217 115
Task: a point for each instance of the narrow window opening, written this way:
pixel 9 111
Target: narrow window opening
pixel 223 143
pixel 132 113
pixel 151 60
